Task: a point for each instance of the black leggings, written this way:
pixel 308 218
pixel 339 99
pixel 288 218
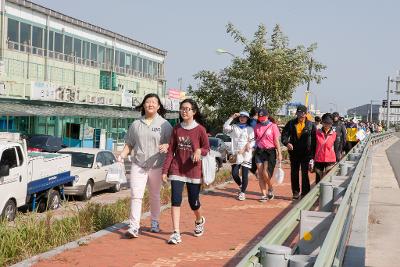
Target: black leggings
pixel 193 194
pixel 242 183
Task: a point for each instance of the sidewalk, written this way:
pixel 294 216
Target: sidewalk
pixel 232 228
pixel 384 217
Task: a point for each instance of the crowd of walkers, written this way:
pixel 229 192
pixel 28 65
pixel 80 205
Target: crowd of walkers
pixel 162 153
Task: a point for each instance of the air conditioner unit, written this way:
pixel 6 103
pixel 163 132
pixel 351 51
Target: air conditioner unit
pixel 66 95
pixel 93 99
pixel 87 99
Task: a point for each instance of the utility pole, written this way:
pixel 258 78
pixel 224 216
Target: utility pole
pixel 308 82
pixel 371 112
pixel 388 104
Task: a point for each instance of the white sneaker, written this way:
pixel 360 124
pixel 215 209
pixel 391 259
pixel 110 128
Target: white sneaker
pixel 241 196
pixel 155 226
pixel 199 227
pixel 175 239
pixel 132 233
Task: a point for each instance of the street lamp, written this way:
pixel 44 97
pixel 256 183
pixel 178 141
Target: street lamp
pixel 221 51
pixel 376 101
pixel 388 91
pixel 335 105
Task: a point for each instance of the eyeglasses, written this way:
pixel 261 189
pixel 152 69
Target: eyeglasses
pixel 185 109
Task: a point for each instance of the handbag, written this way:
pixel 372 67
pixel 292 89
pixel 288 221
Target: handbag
pixel 209 168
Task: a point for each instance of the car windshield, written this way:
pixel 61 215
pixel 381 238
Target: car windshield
pixel 37 141
pixel 213 142
pixel 79 159
pixel 224 137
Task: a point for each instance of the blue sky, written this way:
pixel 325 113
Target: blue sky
pixel 359 41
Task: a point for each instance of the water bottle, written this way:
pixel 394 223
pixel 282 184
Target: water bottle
pixel 311 165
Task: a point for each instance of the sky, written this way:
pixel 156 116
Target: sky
pixel 358 41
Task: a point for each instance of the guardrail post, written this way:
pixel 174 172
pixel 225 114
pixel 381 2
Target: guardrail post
pixel 274 255
pixel 343 169
pixel 325 196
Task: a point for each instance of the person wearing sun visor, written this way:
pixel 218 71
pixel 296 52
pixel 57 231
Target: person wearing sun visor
pixel 266 134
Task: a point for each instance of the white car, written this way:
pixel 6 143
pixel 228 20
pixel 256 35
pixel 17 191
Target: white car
pixel 89 166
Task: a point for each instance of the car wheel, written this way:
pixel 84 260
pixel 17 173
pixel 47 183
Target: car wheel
pixel 88 192
pixel 53 200
pixel 116 188
pixel 9 211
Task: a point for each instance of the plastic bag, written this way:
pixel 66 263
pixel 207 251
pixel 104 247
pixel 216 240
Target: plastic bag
pixel 116 174
pixel 209 168
pixel 279 174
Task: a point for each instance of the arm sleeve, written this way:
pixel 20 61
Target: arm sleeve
pixel 228 128
pixel 344 135
pixel 204 143
pixel 285 134
pixel 166 133
pixel 129 138
pixel 313 140
pixel 170 153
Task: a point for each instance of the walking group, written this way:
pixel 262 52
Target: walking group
pixel 162 153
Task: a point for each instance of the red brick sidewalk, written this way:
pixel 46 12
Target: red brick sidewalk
pixel 232 228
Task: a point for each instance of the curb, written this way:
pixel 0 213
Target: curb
pixel 89 238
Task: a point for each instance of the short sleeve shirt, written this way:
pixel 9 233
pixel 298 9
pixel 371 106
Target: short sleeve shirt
pixel 265 135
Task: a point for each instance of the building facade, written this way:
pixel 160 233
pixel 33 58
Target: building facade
pixel 65 77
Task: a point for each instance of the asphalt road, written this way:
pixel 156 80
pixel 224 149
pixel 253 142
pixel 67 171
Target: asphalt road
pixel 393 154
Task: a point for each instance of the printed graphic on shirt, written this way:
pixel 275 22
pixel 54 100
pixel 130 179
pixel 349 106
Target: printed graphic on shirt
pixel 156 129
pixel 184 143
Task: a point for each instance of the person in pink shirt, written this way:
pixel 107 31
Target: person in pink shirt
pixel 268 150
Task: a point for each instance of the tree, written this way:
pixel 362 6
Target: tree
pixel 266 75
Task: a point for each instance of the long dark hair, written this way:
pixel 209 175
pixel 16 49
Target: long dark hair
pixel 161 111
pixel 198 117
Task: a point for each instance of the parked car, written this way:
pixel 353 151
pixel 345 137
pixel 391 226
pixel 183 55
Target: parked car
pixel 217 145
pixel 89 166
pixel 226 139
pixel 44 143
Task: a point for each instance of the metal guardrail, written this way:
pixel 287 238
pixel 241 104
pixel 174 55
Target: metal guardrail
pixel 333 248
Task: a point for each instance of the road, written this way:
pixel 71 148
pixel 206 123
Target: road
pixel 393 154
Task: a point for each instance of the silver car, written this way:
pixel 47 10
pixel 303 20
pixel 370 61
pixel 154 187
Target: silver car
pixel 89 166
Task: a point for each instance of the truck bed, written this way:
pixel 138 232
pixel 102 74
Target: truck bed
pixel 48 170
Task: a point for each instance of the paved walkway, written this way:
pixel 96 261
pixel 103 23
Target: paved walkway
pixel 384 217
pixel 232 229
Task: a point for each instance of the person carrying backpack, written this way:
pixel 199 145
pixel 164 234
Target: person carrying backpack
pixel 298 136
pixel 340 130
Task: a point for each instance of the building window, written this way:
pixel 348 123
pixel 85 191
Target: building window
pixel 51 41
pixel 93 52
pixel 86 50
pixel 134 62
pixel 68 45
pixel 58 42
pixel 77 47
pixel 128 62
pixel 101 54
pixel 109 56
pixel 145 66
pixel 116 58
pixel 122 59
pixel 25 34
pixel 37 37
pixel 140 64
pixel 13 30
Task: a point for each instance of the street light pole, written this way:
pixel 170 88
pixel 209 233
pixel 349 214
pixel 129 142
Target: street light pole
pixel 388 104
pixel 371 112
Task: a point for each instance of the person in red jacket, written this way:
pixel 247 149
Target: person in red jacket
pixel 188 143
pixel 326 142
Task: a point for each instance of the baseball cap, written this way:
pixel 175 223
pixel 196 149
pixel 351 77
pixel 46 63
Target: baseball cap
pixel 301 108
pixel 327 118
pixel 262 112
pixel 244 114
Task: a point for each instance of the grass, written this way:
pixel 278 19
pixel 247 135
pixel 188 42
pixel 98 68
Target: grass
pixel 30 235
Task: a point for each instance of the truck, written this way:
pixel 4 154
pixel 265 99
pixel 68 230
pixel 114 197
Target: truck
pixel 31 180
